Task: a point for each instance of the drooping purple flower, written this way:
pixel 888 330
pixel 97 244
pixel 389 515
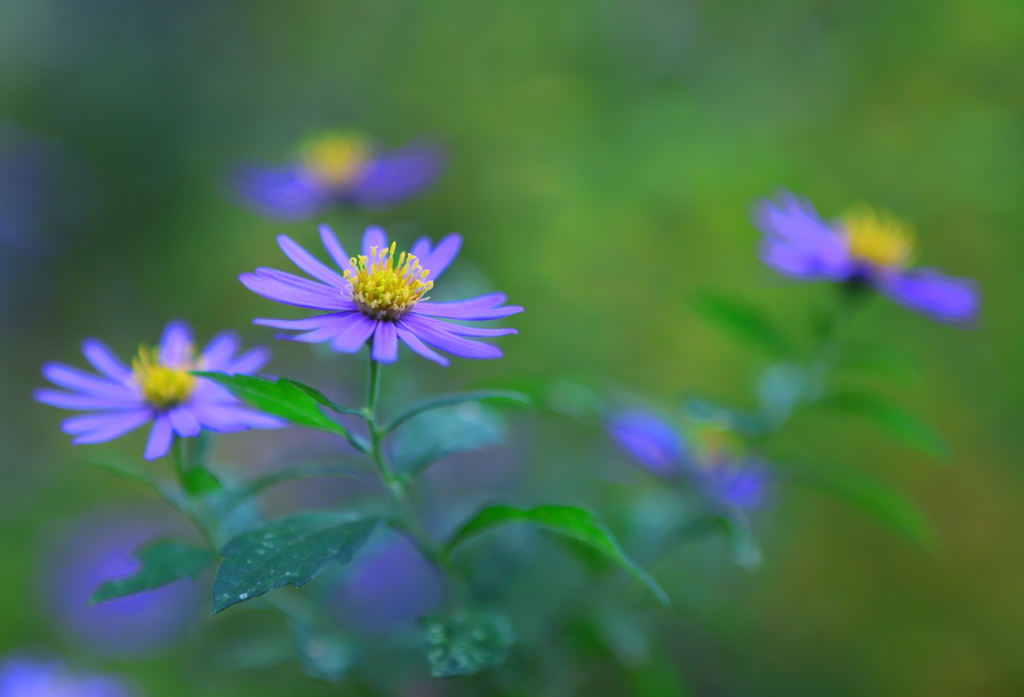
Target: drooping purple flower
pixel 158 387
pixel 381 297
pixel 338 169
pixel 865 247
pixel 716 465
pixel 22 676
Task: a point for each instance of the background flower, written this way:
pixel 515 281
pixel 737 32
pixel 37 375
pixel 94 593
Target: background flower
pixel 23 676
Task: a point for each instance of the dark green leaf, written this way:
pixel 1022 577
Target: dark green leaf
pixel 288 551
pixel 466 644
pixel 284 399
pixel 198 481
pixel 439 433
pixel 742 321
pixel 889 416
pixel 160 563
pixel 875 498
pixel 323 399
pixel 577 523
pixel 325 654
pixel 453 400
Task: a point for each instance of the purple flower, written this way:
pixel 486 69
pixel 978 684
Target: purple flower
pixel 717 465
pixel 27 677
pixel 338 169
pixel 865 247
pixel 381 297
pixel 158 387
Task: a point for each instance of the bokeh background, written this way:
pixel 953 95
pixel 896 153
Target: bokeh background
pixel 604 158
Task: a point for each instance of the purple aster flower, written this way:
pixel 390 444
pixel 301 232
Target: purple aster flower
pixel 650 440
pixel 158 387
pixel 338 169
pixel 865 247
pixel 22 676
pixel 101 547
pixel 381 297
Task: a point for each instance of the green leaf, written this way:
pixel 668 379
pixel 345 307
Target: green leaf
pixel 282 398
pixel 324 400
pixel 289 551
pixel 742 321
pixel 869 495
pixel 439 433
pixel 325 654
pixel 576 523
pixel 884 361
pixel 198 481
pixel 160 563
pixel 450 400
pixel 466 644
pixel 890 417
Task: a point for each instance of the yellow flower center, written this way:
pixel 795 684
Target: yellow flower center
pixel 878 238
pixel 335 158
pixel 384 289
pixel 162 385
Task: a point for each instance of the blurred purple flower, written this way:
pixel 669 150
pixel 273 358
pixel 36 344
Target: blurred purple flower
pixel 722 474
pixel 158 387
pixel 338 169
pixel 389 589
pixel 865 247
pixel 27 677
pixel 376 299
pixel 101 548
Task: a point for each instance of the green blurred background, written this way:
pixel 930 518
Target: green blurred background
pixel 605 156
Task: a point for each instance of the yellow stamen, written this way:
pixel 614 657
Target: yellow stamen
pixel 335 158
pixel 162 385
pixel 384 289
pixel 878 238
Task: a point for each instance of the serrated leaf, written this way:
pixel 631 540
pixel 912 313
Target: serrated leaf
pixel 282 398
pixel 439 433
pixel 160 563
pixel 325 654
pixel 292 550
pixel 742 321
pixel 466 644
pixel 576 523
pixel 450 400
pixel 870 496
pixel 889 416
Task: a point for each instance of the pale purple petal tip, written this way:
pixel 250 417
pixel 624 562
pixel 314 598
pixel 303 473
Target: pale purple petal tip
pixel 649 440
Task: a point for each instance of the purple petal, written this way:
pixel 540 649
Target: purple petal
pixel 249 362
pixel 289 193
pixel 385 343
pixel 388 179
pixel 75 379
pixel 461 330
pixel 374 236
pixel 295 324
pixel 65 400
pixel 438 259
pixel 479 308
pixel 99 428
pixel 361 329
pixel 744 485
pixel 649 440
pixel 176 343
pixel 184 421
pixel 332 326
pixel 335 249
pixel 310 264
pixel 104 360
pixel 159 438
pixel 229 417
pixel 940 297
pixel 419 347
pixel 279 288
pixel 218 352
pixel 798 243
pixel 431 333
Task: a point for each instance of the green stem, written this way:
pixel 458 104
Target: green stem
pixel 176 458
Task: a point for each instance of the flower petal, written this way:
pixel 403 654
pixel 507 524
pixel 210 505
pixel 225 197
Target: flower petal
pixel 99 428
pixel 434 334
pixel 288 193
pixel 65 400
pixel 184 421
pixel 104 360
pixel 940 297
pixel 478 308
pixel 292 290
pixel 159 441
pixel 249 362
pixel 218 352
pixel 353 338
pixel 374 236
pixel 226 418
pixel 798 243
pixel 385 343
pixel 335 249
pixel 419 347
pixel 75 379
pixel 438 259
pixel 389 178
pixel 333 326
pixel 649 440
pixel 310 264
pixel 176 344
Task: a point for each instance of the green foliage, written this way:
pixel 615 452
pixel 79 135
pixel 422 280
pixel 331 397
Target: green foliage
pixel 198 481
pixel 742 321
pixel 889 416
pixel 466 644
pixel 288 551
pixel 870 496
pixel 451 400
pixel 439 433
pixel 122 469
pixel 883 361
pixel 323 399
pixel 576 523
pixel 310 470
pixel 780 390
pixel 160 563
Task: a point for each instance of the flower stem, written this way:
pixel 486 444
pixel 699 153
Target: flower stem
pixel 176 458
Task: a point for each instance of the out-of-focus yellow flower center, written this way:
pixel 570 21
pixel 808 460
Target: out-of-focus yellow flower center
pixel 162 385
pixel 384 289
pixel 716 445
pixel 335 158
pixel 878 238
